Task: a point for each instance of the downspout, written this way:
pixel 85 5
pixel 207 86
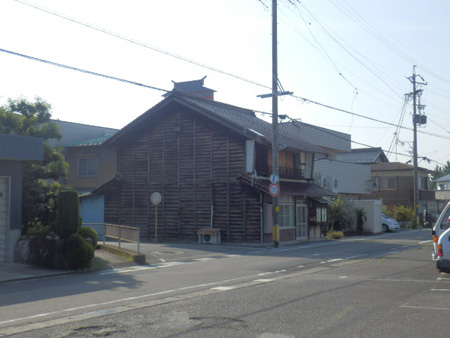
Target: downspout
pixel 261 208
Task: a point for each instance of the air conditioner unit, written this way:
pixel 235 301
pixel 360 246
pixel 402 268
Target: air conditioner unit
pixel 209 236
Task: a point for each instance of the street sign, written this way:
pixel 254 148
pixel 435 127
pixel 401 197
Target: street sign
pixel 156 198
pixel 274 178
pixel 274 189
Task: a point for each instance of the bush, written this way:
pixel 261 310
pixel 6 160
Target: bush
pixel 335 234
pixel 67 213
pixel 47 252
pixel 89 235
pixel 39 230
pixel 79 253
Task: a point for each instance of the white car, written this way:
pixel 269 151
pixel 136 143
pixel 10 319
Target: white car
pixel 443 252
pixel 389 223
pixel 441 226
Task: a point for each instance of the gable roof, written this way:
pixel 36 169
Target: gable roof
pixel 445 178
pixel 363 156
pixel 240 120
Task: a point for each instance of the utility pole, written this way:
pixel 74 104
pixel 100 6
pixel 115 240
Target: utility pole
pixel 275 167
pixel 417 119
pixel 275 146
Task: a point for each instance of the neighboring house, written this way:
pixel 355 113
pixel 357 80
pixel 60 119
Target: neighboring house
pixel 14 150
pixel 393 182
pixel 442 192
pixel 443 183
pixel 211 163
pixel 348 179
pixel 90 165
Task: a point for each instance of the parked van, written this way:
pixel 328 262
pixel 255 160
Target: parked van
pixel 443 252
pixel 441 226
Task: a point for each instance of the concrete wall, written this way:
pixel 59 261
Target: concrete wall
pixel 373 211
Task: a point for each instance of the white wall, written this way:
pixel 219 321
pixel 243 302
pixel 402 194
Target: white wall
pixel 345 178
pixel 373 211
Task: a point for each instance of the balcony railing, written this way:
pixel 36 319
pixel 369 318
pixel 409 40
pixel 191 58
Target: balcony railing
pixel 284 172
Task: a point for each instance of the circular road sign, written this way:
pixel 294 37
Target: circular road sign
pixel 156 198
pixel 274 189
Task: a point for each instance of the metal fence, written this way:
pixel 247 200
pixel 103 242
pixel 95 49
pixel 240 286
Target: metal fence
pixel 119 232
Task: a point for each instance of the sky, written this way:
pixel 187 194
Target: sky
pixel 348 63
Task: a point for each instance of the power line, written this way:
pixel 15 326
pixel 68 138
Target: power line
pixel 82 70
pixel 156 49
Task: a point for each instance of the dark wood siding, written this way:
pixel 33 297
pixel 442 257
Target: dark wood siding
pixel 194 163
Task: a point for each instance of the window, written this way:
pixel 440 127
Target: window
pixel 387 183
pixel 88 167
pixel 286 215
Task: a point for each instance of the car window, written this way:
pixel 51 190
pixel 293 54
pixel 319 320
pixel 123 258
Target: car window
pixel 445 224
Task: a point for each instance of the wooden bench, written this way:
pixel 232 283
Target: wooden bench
pixel 214 234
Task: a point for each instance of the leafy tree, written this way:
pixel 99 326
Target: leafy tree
pixel 22 117
pixel 439 172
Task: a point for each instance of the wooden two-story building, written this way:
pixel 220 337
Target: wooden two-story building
pixel 211 164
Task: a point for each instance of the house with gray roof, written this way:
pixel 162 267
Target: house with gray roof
pixel 211 163
pixel 363 156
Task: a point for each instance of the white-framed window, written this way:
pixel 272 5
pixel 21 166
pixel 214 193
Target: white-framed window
pixel 88 167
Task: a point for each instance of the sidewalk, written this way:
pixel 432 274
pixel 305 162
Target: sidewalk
pixel 155 253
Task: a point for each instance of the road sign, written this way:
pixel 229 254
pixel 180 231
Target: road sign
pixel 274 189
pixel 156 198
pixel 274 178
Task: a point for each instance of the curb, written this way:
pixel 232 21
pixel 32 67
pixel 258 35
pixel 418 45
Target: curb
pixel 129 255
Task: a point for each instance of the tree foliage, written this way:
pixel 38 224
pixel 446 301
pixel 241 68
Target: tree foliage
pixel 22 117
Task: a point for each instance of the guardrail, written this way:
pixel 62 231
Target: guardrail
pixel 119 232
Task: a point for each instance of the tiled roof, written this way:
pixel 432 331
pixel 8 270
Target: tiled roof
pixel 242 120
pixel 389 166
pixel 91 142
pixel 363 156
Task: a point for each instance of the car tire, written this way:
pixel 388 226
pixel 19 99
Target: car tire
pixel 385 228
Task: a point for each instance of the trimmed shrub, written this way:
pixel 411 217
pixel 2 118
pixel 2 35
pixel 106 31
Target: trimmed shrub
pixel 39 230
pixel 67 213
pixel 79 253
pixel 335 234
pixel 89 235
pixel 47 252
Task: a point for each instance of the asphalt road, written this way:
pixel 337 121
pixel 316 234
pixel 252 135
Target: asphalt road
pixel 381 286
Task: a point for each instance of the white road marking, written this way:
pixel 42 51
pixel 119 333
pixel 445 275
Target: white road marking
pixel 224 288
pixel 441 290
pixel 425 307
pixel 428 241
pixel 335 260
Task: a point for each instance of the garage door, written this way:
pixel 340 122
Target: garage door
pixel 4 197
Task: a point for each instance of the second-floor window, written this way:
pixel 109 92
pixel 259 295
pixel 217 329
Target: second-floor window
pixel 387 183
pixel 88 167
